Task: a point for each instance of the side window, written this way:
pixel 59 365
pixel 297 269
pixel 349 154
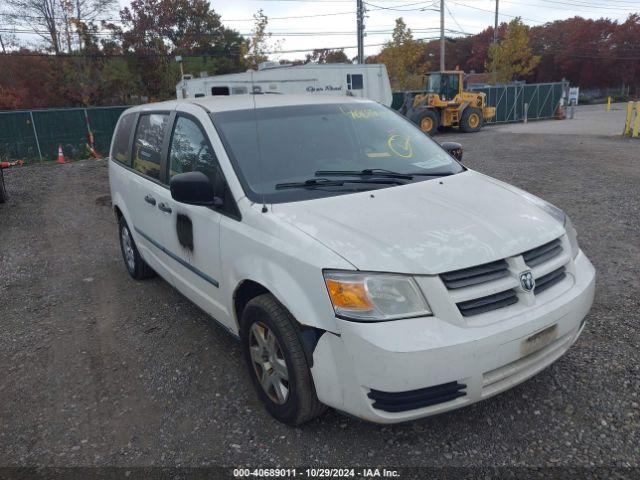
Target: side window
pixel 120 151
pixel 355 81
pixel 238 90
pixel 147 144
pixel 190 151
pixel 219 90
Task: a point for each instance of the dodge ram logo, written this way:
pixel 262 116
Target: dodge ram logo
pixel 527 282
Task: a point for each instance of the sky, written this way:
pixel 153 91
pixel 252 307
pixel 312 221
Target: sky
pixel 332 23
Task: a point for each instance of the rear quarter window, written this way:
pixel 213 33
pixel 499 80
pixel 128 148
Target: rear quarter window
pixel 120 150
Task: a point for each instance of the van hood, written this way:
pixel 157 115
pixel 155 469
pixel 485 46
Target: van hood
pixel 427 227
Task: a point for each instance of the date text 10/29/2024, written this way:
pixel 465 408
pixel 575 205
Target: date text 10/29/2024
pixel 315 473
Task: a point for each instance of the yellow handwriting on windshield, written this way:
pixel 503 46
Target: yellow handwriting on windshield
pixel 400 145
pixel 361 113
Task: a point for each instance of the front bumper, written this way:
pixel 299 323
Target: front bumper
pixel 413 354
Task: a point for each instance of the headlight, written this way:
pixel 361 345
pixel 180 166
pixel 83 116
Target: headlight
pixel 374 296
pixel 573 236
pixel 560 216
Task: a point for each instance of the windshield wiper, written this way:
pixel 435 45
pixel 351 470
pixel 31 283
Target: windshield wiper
pixel 325 182
pixel 381 172
pixel 378 172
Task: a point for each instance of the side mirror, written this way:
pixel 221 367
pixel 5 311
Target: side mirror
pixel 454 149
pixel 193 188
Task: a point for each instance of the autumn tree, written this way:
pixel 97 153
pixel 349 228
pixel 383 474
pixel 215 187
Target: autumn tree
pixel 155 31
pixel 512 58
pixel 257 47
pixel 402 56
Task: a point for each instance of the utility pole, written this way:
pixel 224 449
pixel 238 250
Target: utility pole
pixel 360 19
pixel 494 74
pixel 495 27
pixel 441 35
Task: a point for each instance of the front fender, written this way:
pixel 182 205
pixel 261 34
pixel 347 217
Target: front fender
pixel 285 261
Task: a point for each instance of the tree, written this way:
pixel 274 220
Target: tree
pixel 256 48
pixel 512 58
pixel 55 20
pixel 154 31
pixel 327 55
pixel 403 58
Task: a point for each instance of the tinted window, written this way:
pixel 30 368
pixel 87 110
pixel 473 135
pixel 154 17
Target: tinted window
pixel 239 90
pixel 147 144
pixel 297 141
pixel 219 90
pixel 120 151
pixel 354 82
pixel 190 150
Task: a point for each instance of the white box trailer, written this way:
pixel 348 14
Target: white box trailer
pixel 360 80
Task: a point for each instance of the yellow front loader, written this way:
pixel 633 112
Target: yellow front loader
pixel 446 104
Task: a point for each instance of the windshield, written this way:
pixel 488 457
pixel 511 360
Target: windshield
pixel 299 143
pixel 434 81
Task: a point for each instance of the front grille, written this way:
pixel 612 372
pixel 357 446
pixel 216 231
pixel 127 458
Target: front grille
pixel 414 399
pixel 549 280
pixel 488 303
pixel 541 254
pixel 475 275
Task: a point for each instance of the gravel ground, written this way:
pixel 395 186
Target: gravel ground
pixel 97 369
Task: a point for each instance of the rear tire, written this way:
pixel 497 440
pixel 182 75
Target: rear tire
pixel 3 191
pixel 427 120
pixel 136 266
pixel 277 362
pixel 471 120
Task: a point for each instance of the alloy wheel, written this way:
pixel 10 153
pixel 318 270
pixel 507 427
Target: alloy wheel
pixel 127 248
pixel 268 362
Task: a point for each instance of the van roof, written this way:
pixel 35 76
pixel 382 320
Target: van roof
pixel 243 102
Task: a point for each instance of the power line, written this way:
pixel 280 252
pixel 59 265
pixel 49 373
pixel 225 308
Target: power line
pixel 501 14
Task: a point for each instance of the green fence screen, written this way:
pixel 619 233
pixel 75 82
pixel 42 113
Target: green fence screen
pixel 540 99
pixel 34 135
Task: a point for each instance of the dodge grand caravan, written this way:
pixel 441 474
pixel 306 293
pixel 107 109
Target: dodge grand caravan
pixel 360 265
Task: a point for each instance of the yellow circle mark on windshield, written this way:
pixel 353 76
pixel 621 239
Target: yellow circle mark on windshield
pixel 400 145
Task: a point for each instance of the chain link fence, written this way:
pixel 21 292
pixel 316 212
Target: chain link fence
pixel 34 135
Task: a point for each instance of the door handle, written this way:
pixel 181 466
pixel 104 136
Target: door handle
pixel 164 208
pixel 150 199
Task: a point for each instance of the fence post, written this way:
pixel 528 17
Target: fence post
pixel 526 111
pixel 636 124
pixel 35 134
pixel 627 123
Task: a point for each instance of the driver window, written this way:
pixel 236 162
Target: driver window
pixel 190 151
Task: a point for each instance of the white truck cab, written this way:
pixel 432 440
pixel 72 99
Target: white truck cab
pixel 360 265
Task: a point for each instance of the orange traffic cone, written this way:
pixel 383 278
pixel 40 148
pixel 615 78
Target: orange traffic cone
pixel 60 155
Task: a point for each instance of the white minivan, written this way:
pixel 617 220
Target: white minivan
pixel 360 265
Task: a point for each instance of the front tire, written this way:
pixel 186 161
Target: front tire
pixel 277 363
pixel 427 120
pixel 471 120
pixel 136 266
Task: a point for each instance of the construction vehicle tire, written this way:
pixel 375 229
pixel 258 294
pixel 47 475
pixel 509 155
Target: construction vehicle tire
pixel 471 120
pixel 427 120
pixel 3 191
